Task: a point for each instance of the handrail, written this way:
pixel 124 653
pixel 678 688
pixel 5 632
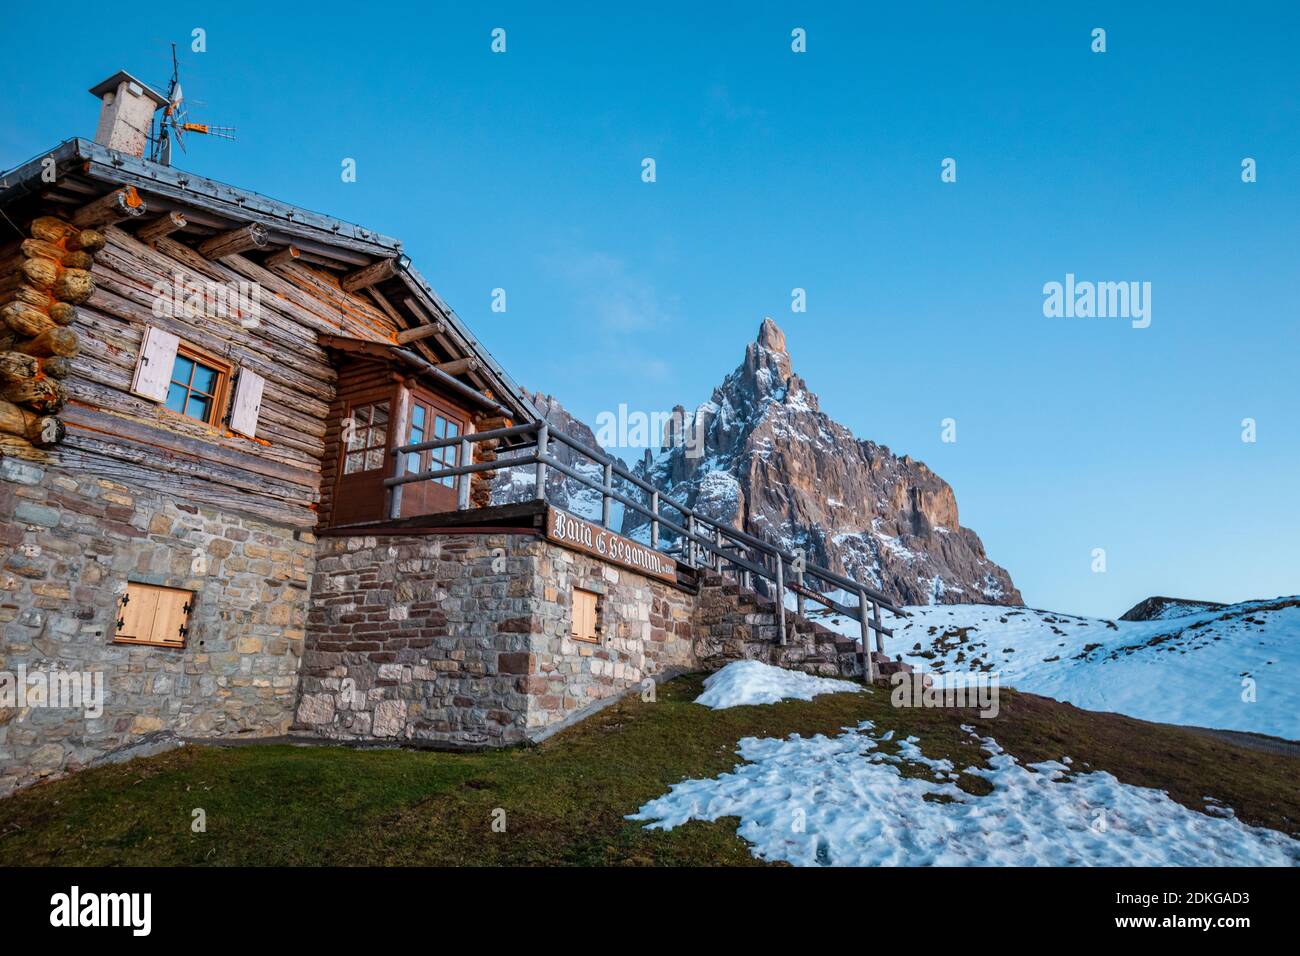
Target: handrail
pixel 702 539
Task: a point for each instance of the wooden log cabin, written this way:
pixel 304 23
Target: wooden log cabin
pixel 219 416
pixel 196 379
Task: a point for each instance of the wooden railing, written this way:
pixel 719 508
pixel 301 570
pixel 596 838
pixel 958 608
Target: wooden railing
pixel 698 541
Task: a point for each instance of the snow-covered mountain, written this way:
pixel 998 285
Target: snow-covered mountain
pixel 1234 667
pixel 763 457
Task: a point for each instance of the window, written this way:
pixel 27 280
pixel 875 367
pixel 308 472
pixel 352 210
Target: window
pixel 195 388
pixel 369 441
pixel 149 614
pixel 193 383
pixel 437 458
pixel 584 617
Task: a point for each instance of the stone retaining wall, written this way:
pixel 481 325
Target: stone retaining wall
pixel 462 639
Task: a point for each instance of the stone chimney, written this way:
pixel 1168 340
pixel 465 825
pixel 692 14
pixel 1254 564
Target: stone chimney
pixel 126 116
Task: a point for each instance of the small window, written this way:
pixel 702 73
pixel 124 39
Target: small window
pixel 365 451
pixel 196 386
pixel 149 614
pixel 584 617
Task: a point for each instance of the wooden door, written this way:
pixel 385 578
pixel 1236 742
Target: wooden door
pixel 431 417
pixel 364 461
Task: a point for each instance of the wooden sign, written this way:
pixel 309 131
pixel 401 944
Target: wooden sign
pixel 578 535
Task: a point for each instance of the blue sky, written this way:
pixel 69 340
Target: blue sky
pixel 822 171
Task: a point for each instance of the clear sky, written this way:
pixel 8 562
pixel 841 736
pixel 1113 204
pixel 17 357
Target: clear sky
pixel 818 170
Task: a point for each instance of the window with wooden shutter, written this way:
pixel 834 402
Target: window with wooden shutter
pixel 153 370
pixel 149 614
pixel 246 402
pixel 584 616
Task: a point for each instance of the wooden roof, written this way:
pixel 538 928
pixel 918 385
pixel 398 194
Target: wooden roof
pixel 364 273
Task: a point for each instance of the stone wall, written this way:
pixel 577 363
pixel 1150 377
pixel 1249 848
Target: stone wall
pixel 462 639
pixel 645 629
pixel 420 638
pixel 69 542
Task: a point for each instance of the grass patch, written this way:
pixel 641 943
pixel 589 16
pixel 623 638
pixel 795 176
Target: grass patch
pixel 565 799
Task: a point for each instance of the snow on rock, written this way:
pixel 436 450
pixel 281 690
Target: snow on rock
pixel 753 682
pixel 766 459
pixel 1231 668
pixel 841 801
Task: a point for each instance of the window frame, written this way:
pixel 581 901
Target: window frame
pixel 221 390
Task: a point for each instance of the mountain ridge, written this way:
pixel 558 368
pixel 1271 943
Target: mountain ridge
pixel 760 455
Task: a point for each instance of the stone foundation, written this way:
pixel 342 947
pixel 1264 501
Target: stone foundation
pixel 462 639
pixel 445 637
pixel 70 543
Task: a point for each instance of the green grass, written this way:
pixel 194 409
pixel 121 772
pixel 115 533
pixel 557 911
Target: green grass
pixel 565 799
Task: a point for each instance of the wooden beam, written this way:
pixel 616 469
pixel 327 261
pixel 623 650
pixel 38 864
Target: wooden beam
pixel 118 205
pixel 164 225
pixel 285 257
pixel 420 332
pixel 40 430
pixel 235 242
pixel 387 306
pixel 372 274
pixel 458 367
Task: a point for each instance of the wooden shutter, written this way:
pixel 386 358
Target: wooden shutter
pixel 247 403
pixel 148 614
pixel 171 623
pixel 584 616
pixel 153 371
pixel 136 613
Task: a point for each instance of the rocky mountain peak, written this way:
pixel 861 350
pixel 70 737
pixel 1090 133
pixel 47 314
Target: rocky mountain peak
pixel 762 456
pixel 768 460
pixel 771 337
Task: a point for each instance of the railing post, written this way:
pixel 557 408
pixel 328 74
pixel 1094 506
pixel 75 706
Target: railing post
pixel 688 552
pixel 654 521
pixel 880 637
pixel 604 494
pixel 395 498
pixel 462 493
pixel 868 668
pixel 717 558
pixel 780 599
pixel 543 437
pixel 798 595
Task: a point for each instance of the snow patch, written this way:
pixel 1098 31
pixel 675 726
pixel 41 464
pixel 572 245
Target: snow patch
pixel 753 682
pixel 840 801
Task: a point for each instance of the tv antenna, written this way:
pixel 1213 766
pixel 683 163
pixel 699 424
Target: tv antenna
pixel 173 125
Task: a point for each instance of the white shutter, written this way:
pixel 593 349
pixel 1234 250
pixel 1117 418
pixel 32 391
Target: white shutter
pixel 247 402
pixel 153 372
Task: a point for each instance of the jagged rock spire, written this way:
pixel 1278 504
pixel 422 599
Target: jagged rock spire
pixel 771 337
